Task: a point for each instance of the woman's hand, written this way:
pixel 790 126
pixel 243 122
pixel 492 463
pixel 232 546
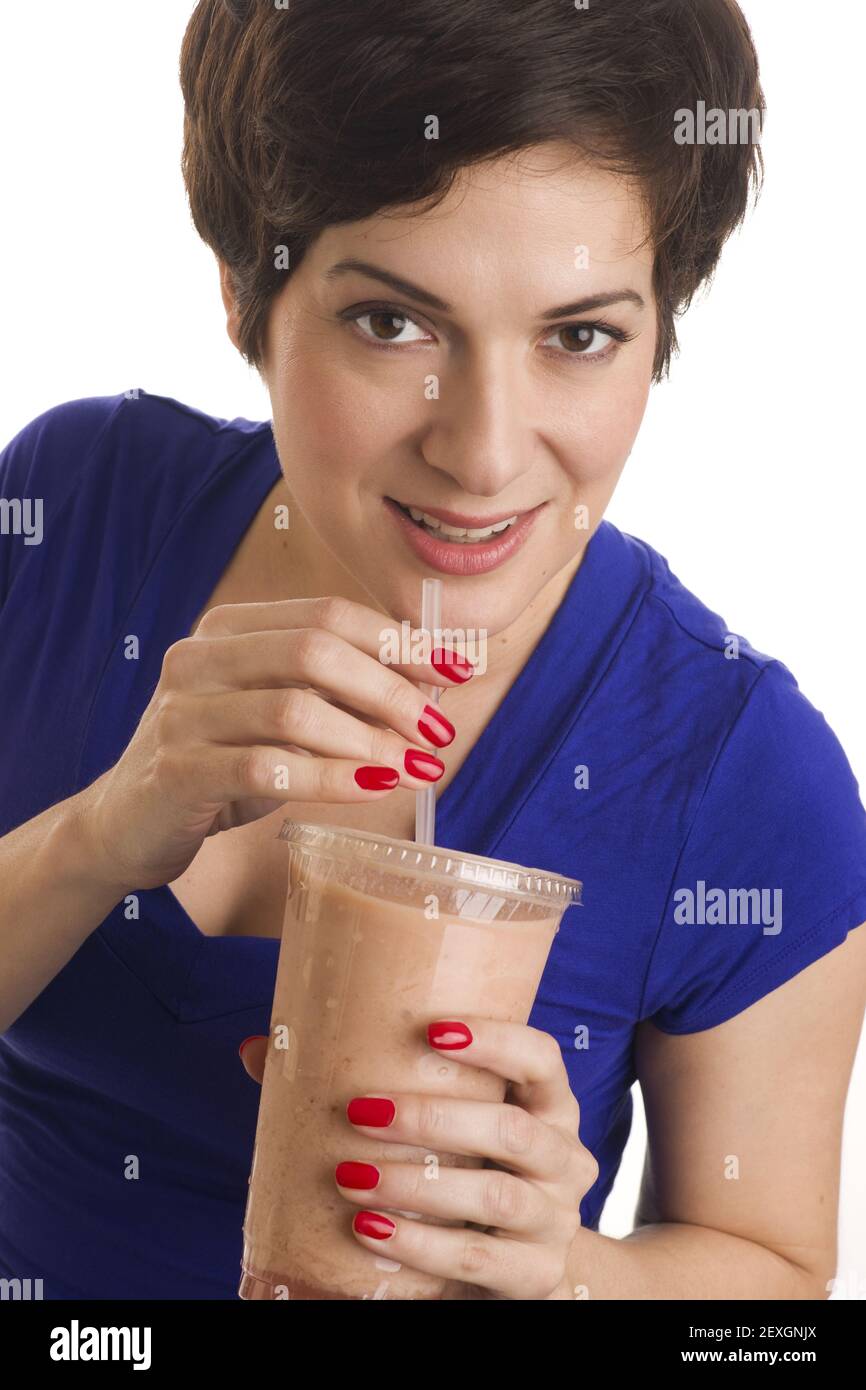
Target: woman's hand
pixel 239 709
pixel 523 1208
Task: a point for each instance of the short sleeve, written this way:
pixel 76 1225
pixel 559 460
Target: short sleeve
pixel 36 473
pixel 772 874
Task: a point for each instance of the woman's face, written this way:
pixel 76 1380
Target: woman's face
pixel 496 400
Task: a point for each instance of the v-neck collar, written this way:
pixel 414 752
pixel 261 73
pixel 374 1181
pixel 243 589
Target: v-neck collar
pixel 200 976
pixel 547 697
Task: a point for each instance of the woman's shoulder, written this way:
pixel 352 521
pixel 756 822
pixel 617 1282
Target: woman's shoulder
pixel 102 469
pixel 68 442
pixel 688 621
pixel 751 741
pixel 677 672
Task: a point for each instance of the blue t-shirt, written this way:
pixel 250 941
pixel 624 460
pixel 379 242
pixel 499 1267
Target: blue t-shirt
pixel 703 801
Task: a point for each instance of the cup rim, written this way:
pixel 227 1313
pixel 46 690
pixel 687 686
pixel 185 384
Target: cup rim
pixel 454 867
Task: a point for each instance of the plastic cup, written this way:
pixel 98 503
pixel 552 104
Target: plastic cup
pixel 380 937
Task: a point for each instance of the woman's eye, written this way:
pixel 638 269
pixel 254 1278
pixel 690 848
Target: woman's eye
pixel 386 326
pixel 583 340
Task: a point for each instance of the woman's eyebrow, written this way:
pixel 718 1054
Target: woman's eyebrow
pixel 406 287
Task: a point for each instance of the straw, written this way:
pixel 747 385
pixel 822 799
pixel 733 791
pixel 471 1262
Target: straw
pixel 425 800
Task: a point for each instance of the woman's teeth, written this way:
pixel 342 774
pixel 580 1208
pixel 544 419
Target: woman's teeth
pixel 461 534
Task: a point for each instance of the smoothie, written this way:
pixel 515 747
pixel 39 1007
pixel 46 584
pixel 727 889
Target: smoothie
pixel 360 975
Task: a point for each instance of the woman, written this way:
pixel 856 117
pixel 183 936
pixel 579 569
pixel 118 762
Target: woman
pixel 453 241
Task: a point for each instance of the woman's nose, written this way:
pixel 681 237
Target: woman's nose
pixel 481 434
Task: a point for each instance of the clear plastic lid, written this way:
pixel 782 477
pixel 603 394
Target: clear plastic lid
pixel 445 866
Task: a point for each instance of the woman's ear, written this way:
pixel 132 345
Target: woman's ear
pixel 228 296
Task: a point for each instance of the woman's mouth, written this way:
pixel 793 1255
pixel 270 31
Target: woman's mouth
pixel 461 545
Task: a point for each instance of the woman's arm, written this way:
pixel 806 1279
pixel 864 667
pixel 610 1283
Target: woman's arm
pixel 741 1193
pixel 57 887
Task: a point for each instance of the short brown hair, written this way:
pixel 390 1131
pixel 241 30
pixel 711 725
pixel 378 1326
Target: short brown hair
pixel 303 117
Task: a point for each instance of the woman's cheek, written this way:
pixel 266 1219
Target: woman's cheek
pixel 601 441
pixel 320 426
pixel 361 412
pixel 596 455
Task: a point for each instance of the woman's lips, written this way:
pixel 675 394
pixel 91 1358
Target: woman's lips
pixel 450 557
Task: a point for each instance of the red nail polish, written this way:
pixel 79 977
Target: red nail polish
pixel 371 1110
pixel 364 1175
pixel 434 726
pixel 448 1035
pixel 419 764
pixel 377 779
pixel 449 664
pixel 370 1223
pixel 250 1039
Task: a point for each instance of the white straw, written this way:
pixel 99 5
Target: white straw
pixel 431 621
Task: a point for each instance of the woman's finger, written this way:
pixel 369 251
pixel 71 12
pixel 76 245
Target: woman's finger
pixel 370 632
pixel 485 1196
pixel 309 657
pixel 206 777
pixel 252 1052
pixel 295 718
pixel 513 1268
pixel 529 1059
pixel 506 1134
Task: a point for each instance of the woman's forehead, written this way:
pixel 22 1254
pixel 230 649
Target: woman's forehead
pixel 506 220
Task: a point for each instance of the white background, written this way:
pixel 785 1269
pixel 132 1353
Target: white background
pixel 748 471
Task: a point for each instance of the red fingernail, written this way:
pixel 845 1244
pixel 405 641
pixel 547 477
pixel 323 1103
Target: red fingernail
pixel 371 1110
pixel 449 664
pixel 370 1223
pixel 419 764
pixel 377 779
pixel 448 1035
pixel 435 726
pixel 356 1175
pixel 250 1039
